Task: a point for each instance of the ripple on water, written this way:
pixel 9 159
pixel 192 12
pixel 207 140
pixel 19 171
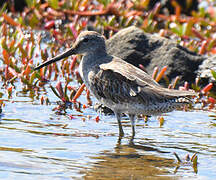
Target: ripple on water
pixel 36 142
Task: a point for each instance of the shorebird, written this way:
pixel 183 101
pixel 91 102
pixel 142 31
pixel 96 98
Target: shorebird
pixel 119 85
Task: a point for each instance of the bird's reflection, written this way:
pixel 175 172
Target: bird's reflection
pixel 128 160
pixel 137 146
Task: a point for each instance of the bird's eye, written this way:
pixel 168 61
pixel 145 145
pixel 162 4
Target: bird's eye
pixel 85 40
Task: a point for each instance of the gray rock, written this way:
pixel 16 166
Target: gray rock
pixel 137 47
pixel 204 71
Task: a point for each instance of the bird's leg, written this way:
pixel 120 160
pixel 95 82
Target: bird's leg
pixel 118 116
pixel 132 119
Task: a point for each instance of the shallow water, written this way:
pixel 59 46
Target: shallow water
pixel 36 142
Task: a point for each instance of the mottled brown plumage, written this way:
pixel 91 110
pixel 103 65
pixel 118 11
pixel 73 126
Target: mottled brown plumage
pixel 119 85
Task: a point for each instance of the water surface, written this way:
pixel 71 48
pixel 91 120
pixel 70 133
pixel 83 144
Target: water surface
pixel 36 142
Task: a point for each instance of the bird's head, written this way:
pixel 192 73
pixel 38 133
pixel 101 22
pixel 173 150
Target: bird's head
pixel 87 42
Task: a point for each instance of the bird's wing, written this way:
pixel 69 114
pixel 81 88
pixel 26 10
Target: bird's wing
pixel 129 71
pixel 136 83
pixel 110 85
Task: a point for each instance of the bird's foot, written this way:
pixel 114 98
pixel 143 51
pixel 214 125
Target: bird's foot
pixel 121 133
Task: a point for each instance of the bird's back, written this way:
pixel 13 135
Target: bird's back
pixel 123 87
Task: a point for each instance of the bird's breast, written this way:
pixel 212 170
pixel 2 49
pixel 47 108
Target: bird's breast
pixel 88 68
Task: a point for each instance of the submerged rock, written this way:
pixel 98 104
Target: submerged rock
pixel 100 108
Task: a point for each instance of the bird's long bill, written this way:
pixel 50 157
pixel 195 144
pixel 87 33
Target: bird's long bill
pixel 65 54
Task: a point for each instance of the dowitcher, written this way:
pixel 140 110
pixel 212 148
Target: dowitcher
pixel 119 85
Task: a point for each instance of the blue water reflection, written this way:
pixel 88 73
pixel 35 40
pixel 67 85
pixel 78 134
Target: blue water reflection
pixel 36 142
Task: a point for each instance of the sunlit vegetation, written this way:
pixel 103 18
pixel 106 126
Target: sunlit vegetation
pixel 45 30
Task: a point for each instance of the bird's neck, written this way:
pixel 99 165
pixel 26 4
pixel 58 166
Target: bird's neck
pixel 97 51
pixel 91 62
pixel 96 57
